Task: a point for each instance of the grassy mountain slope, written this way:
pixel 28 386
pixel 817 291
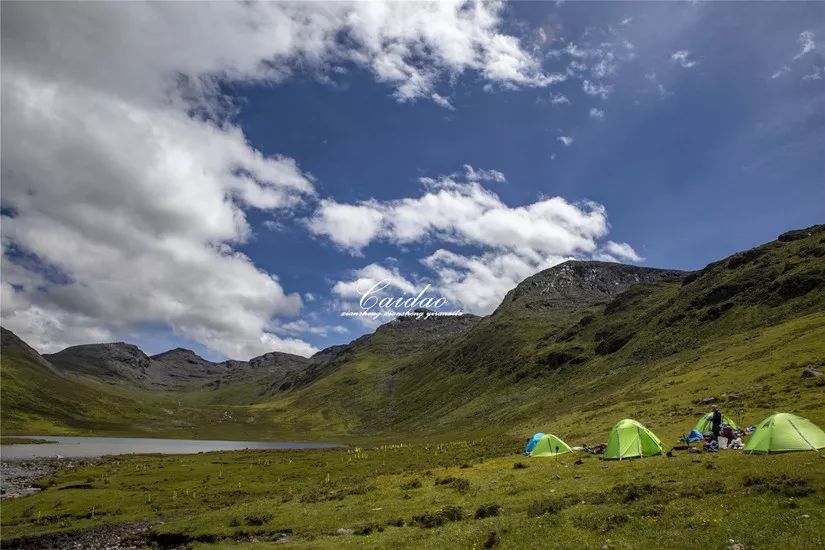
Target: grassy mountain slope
pixel 570 350
pixel 740 331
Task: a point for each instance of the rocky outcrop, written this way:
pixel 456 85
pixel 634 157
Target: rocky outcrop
pixel 574 284
pixel 114 362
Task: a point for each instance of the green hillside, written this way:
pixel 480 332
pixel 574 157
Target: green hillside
pixel 740 331
pixel 564 349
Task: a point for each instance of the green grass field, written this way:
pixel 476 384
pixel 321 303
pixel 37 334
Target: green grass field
pixel 462 494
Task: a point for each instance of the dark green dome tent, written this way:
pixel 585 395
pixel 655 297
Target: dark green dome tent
pixel 783 433
pixel 630 439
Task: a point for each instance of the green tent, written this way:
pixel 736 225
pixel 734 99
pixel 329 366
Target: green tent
pixel 629 439
pixel 550 445
pixel 704 425
pixel 783 432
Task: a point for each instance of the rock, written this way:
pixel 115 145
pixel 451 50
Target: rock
pixel 344 531
pixel 805 516
pixel 733 396
pixel 707 400
pixel 811 372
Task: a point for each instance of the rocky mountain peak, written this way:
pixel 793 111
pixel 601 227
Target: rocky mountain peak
pixel 576 283
pixel 116 361
pixel 181 355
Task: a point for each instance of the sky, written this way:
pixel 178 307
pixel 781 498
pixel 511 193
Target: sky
pixel 231 177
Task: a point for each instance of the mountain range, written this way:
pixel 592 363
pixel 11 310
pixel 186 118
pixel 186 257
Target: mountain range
pixel 576 346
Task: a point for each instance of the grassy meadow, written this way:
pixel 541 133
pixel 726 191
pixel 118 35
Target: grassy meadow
pixel 463 494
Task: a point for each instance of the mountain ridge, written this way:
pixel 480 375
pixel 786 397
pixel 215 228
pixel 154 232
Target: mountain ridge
pixel 590 335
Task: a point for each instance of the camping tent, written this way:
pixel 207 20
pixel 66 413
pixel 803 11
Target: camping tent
pixel 549 445
pixel 704 424
pixel 629 439
pixel 783 433
pixel 532 443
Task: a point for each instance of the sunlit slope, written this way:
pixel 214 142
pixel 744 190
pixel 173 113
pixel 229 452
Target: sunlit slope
pixel 740 331
pixel 571 350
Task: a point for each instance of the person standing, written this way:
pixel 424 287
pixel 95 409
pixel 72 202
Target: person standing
pixel 716 422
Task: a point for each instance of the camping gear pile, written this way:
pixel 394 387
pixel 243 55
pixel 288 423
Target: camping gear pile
pixel 779 433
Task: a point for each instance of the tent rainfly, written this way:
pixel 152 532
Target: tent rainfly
pixel 531 443
pixel 783 433
pixel 549 445
pixel 630 439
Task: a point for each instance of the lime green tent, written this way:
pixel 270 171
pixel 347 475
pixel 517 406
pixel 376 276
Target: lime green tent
pixel 550 445
pixel 783 432
pixel 629 439
pixel 704 425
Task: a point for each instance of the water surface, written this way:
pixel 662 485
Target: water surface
pixel 66 446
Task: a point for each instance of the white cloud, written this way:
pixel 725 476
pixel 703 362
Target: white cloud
pixel 596 113
pixel 806 43
pixel 682 58
pixel 478 283
pixel 567 141
pixel 597 89
pixel 128 178
pixel 815 74
pixel 780 72
pixel 463 212
pixel 302 327
pixel 512 242
pixel 476 174
pixel 623 251
pixel 355 226
pixel 559 99
pixel 367 277
pixel 442 101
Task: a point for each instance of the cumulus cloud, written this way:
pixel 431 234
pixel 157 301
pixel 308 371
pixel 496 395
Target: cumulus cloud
pixel 622 251
pixel 463 212
pixel 499 245
pixel 559 99
pixel 682 58
pixel 124 175
pixel 567 141
pixel 367 277
pixel 596 113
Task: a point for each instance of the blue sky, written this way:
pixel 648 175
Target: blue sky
pixel 673 134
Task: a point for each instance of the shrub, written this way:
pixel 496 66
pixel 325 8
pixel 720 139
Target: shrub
pixel 519 466
pixel 491 541
pixel 780 485
pixel 412 484
pixel 436 519
pixel 257 518
pixel 488 511
pixel 631 492
pixel 368 529
pixel 551 505
pixel 457 483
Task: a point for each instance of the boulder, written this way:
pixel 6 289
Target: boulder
pixel 811 372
